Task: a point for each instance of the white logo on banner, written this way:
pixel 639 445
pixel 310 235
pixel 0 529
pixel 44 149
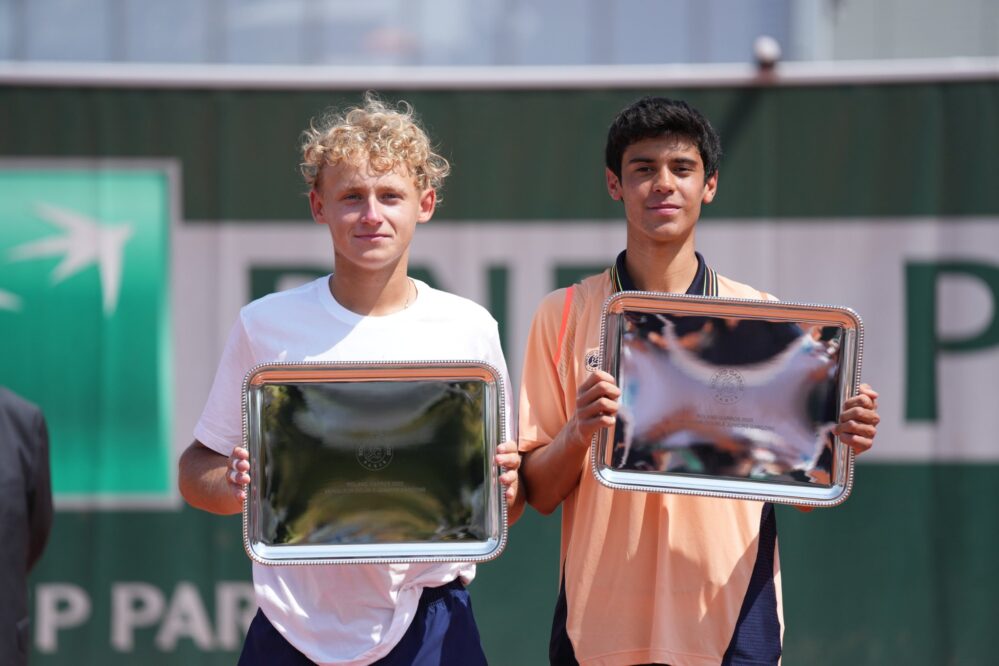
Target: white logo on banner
pixel 86 241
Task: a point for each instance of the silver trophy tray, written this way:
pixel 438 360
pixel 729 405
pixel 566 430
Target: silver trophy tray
pixel 728 397
pixel 373 463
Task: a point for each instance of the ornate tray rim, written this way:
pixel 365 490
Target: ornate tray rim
pixel 762 491
pixel 381 371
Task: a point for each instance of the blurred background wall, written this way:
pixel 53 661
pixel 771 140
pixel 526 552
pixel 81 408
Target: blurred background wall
pixel 490 32
pixel 860 171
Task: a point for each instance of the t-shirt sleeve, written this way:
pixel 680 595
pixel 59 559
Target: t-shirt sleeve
pixel 542 394
pixel 221 424
pixel 493 354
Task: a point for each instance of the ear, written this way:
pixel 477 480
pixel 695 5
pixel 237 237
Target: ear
pixel 613 184
pixel 710 188
pixel 428 203
pixel 316 206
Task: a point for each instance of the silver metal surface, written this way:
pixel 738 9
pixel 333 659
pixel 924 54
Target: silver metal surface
pixel 360 463
pixel 728 397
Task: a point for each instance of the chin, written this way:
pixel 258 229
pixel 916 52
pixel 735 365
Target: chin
pixel 665 235
pixel 369 263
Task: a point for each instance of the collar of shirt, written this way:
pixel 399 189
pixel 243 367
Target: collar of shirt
pixel 705 281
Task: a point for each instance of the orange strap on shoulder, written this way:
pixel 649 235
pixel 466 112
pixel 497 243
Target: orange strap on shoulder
pixel 565 322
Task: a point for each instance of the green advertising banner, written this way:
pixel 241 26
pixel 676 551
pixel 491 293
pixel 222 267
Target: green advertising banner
pixel 133 228
pixel 84 287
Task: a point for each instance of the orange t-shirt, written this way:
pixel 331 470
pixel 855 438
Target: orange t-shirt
pixel 649 577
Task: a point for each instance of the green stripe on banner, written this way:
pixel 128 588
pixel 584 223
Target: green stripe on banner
pixel 809 152
pixel 902 573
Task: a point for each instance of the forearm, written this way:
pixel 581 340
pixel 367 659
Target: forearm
pixel 551 473
pixel 202 481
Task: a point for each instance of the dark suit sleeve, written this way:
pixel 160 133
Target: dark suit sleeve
pixel 39 492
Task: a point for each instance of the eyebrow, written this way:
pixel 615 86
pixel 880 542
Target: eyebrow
pixel 379 187
pixel 686 161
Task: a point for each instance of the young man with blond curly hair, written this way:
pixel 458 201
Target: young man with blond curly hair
pixel 372 178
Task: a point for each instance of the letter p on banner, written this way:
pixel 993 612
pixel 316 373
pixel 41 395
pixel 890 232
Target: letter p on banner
pixel 924 340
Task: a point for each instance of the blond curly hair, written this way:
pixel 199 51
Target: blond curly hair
pixel 384 136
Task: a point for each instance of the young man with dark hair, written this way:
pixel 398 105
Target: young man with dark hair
pixel 648 577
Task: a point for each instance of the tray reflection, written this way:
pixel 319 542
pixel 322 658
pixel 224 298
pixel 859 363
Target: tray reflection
pixel 729 398
pixel 378 468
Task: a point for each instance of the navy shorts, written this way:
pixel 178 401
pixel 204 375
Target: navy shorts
pixel 443 633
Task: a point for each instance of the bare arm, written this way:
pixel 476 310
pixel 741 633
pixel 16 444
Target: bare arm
pixel 213 482
pixel 551 472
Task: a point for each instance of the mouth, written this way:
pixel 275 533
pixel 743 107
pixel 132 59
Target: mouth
pixel 664 209
pixel 664 206
pixel 371 237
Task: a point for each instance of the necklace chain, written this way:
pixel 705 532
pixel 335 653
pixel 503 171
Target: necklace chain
pixel 411 293
pixel 411 296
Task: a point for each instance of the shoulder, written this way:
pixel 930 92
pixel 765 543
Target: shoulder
pixel 280 301
pixel 729 288
pixel 13 403
pixel 593 289
pixel 553 303
pixel 454 306
pixel 16 408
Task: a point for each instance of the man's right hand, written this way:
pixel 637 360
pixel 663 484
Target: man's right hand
pixel 212 481
pixel 552 472
pixel 597 403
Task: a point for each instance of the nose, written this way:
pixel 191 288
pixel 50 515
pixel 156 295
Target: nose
pixel 664 180
pixel 371 212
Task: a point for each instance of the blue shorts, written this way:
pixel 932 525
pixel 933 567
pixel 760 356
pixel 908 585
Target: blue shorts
pixel 443 633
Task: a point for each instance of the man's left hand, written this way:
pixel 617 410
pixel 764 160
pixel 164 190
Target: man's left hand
pixel 858 422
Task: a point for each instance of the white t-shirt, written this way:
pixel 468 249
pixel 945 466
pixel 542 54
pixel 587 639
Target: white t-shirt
pixel 344 614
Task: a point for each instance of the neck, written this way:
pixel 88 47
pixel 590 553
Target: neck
pixel 667 268
pixel 370 294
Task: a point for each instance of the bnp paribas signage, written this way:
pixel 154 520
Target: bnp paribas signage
pixel 84 321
